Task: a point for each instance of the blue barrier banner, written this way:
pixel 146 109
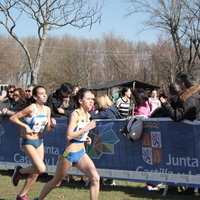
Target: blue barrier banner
pixel 167 152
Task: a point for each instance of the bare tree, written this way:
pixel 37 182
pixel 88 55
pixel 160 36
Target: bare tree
pixel 10 61
pixel 48 15
pixel 71 59
pixel 180 21
pixel 119 58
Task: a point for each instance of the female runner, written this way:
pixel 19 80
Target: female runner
pixel 35 118
pixel 74 152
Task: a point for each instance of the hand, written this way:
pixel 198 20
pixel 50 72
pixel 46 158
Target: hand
pixel 128 118
pixel 28 131
pixel 88 141
pixel 52 122
pixel 4 111
pixel 163 100
pixel 60 110
pixel 91 125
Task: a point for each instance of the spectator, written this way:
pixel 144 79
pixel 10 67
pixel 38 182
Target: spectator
pixel 173 96
pixel 58 100
pixel 141 101
pixel 188 104
pixel 7 101
pixel 123 103
pixel 174 93
pixel 29 92
pixel 76 88
pixel 18 104
pixel 105 110
pixel 9 94
pixel 105 107
pixel 153 99
pixel 36 117
pixel 142 107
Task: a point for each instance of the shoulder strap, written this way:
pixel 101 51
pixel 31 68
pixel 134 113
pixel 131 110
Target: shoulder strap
pixel 45 111
pixel 88 116
pixel 79 117
pixel 35 108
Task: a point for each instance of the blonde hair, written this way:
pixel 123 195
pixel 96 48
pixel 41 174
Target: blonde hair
pixel 103 101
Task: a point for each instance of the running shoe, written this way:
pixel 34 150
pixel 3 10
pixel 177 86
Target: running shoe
pixel 19 197
pixel 150 187
pixel 16 175
pixel 109 182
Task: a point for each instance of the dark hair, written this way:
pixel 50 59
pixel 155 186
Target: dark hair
pixel 66 87
pixel 124 90
pixel 140 96
pixel 8 88
pixel 153 89
pixel 79 95
pixel 174 89
pixel 34 93
pixel 187 79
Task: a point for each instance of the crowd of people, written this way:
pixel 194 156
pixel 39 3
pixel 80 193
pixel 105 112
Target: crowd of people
pixel 81 106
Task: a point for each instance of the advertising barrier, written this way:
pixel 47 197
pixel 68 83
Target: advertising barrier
pixel 167 152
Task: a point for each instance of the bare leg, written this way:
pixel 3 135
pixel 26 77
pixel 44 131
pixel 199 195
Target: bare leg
pixel 28 184
pixel 62 168
pixel 36 157
pixel 86 166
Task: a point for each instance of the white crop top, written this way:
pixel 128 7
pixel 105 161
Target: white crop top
pixel 38 121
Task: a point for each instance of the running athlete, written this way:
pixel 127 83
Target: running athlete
pixel 32 121
pixel 74 152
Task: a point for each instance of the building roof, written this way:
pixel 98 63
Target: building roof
pixel 130 83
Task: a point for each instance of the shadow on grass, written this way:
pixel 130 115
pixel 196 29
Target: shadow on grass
pixel 7 172
pixel 131 191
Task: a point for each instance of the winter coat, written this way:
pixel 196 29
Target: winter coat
pixel 143 110
pixel 104 113
pixel 187 106
pixel 55 100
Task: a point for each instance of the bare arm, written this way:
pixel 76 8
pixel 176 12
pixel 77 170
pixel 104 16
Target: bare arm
pixel 51 121
pixel 24 113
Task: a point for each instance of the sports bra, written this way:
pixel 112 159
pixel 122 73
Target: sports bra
pixel 38 121
pixel 79 125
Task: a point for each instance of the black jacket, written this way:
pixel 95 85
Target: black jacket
pixel 187 106
pixel 105 113
pixel 54 101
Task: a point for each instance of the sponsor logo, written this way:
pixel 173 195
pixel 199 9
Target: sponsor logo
pixel 152 147
pixel 103 141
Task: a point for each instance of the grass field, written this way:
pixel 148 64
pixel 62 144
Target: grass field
pixel 124 190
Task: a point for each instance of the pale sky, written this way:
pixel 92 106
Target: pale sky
pixel 113 20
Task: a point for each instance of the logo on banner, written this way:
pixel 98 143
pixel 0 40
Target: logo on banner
pixel 151 147
pixel 103 141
